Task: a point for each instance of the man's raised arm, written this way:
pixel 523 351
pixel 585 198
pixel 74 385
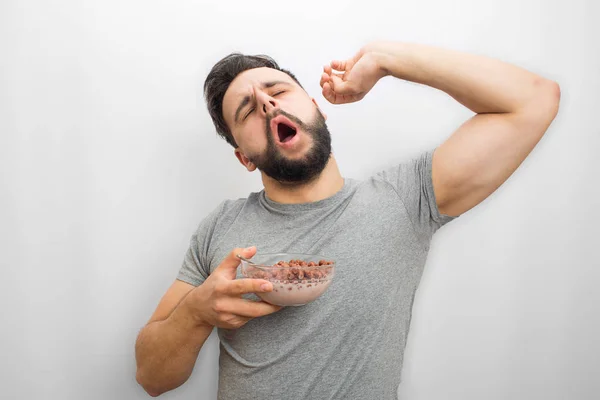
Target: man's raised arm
pixel 514 109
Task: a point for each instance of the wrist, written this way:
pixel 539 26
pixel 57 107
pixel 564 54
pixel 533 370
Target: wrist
pixel 189 315
pixel 382 52
pixel 383 63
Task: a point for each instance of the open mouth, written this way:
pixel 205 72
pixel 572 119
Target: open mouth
pixel 285 132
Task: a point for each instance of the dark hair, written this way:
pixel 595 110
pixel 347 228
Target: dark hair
pixel 219 79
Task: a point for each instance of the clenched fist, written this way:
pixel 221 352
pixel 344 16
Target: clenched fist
pixel 360 74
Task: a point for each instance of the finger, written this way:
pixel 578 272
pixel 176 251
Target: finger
pixel 339 76
pixel 252 309
pixel 339 65
pixel 230 263
pixel 339 86
pixel 324 78
pixel 328 93
pixel 335 98
pixel 239 287
pixel 327 69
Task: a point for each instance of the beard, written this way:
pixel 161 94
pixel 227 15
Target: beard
pixel 277 166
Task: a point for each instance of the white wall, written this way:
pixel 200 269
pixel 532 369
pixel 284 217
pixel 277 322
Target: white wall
pixel 108 161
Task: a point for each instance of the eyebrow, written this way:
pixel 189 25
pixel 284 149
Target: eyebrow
pixel 246 100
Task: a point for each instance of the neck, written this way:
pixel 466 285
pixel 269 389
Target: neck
pixel 328 183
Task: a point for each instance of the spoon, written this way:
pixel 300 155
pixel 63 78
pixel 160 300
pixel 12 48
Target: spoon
pixel 244 259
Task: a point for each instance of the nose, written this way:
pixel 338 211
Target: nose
pixel 266 104
pixel 269 106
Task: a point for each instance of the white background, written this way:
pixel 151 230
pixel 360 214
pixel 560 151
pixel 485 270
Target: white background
pixel 108 162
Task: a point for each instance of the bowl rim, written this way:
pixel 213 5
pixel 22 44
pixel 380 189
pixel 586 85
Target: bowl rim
pixel 290 254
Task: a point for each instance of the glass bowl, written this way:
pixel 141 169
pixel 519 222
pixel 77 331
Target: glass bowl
pixel 297 278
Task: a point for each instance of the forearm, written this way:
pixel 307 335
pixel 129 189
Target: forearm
pixel 166 351
pixel 482 84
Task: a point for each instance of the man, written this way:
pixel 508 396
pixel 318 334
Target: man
pixel 349 343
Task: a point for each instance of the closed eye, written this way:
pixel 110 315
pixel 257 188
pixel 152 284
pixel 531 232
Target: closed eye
pixel 249 112
pixel 252 109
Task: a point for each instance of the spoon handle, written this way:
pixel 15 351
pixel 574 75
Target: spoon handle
pixel 243 258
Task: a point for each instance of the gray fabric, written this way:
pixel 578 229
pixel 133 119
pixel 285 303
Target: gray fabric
pixel 349 343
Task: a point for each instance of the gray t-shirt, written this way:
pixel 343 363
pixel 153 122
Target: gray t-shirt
pixel 349 343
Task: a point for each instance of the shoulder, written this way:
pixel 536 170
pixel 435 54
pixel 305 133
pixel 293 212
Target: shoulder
pixel 227 211
pixel 224 215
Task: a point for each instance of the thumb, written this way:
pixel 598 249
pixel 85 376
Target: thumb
pixel 229 265
pixel 340 86
pixel 339 65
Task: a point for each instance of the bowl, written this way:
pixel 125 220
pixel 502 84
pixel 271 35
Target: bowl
pixel 297 279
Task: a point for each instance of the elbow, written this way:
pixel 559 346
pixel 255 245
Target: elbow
pixel 151 390
pixel 553 97
pixel 155 386
pixel 547 101
pixel 543 107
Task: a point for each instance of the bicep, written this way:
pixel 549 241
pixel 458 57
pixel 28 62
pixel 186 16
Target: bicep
pixel 480 156
pixel 170 300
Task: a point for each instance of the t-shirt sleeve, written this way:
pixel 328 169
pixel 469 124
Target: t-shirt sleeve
pixel 195 268
pixel 412 181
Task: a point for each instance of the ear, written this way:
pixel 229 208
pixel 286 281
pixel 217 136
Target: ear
pixel 315 101
pixel 244 160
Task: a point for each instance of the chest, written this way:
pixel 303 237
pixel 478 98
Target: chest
pixel 378 261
